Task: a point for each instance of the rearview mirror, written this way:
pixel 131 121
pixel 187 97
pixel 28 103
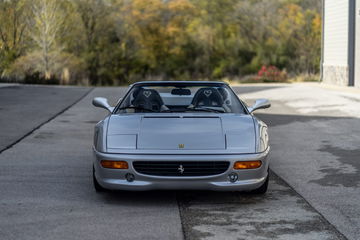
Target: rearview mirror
pixel 102 103
pixel 259 104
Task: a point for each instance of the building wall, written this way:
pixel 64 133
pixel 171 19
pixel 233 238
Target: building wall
pixel 357 44
pixel 336 40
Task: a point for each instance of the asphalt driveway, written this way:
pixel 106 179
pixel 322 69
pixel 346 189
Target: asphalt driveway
pixel 24 108
pixel 46 189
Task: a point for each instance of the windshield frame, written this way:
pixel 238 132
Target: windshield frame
pixel 179 84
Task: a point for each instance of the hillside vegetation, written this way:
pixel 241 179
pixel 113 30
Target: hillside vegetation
pixel 113 42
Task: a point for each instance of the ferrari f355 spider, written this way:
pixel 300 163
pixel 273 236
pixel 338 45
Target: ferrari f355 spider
pixel 181 135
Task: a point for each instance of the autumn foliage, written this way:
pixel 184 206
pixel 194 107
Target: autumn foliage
pixel 112 42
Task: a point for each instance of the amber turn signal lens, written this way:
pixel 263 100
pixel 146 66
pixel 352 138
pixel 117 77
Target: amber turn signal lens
pixel 247 165
pixel 114 164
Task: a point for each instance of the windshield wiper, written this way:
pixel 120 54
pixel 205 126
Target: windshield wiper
pixel 137 108
pixel 207 109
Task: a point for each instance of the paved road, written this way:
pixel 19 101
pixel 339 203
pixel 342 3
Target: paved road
pixel 23 108
pixel 315 138
pixel 46 191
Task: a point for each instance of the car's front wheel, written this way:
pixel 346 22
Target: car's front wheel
pixel 263 188
pixel 97 186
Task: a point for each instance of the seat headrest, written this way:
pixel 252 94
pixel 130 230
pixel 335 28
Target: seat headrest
pixel 147 98
pixel 223 92
pixel 208 97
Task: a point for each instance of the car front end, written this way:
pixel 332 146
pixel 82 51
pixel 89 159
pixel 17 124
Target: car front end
pixel 187 146
pixel 219 172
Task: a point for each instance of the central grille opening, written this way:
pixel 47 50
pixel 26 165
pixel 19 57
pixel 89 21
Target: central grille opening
pixel 181 168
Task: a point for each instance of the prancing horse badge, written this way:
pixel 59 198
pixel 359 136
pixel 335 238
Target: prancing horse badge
pixel 181 169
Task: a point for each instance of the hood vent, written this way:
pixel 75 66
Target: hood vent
pixel 181 116
pixel 161 117
pixel 201 117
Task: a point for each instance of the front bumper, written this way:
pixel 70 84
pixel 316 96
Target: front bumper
pixel 114 179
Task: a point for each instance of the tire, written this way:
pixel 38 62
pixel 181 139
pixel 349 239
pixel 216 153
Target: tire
pixel 263 188
pixel 97 186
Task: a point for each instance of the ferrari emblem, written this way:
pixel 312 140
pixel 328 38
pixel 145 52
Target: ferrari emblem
pixel 181 169
pixel 207 93
pixel 147 94
pixel 181 145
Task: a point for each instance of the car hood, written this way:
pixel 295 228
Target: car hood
pixel 187 132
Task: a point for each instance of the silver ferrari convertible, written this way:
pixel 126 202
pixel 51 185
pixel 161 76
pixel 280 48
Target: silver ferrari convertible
pixel 181 135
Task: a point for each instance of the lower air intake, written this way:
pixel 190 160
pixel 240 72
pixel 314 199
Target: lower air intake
pixel 181 168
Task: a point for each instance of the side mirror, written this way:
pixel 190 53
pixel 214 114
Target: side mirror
pixel 102 103
pixel 260 104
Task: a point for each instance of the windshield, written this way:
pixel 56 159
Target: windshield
pixel 180 97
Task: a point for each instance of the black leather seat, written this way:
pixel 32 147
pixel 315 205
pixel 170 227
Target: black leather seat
pixel 223 93
pixel 209 97
pixel 148 99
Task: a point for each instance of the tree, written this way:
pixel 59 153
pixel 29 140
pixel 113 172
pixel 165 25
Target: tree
pixel 93 14
pixel 47 24
pixel 46 28
pixel 12 31
pixel 159 30
pixel 256 23
pixel 106 42
pixel 300 32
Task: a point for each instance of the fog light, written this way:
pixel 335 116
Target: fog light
pixel 247 165
pixel 114 164
pixel 233 177
pixel 130 177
